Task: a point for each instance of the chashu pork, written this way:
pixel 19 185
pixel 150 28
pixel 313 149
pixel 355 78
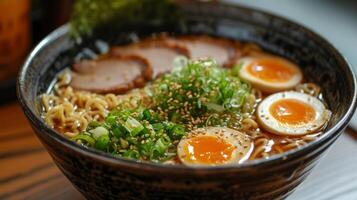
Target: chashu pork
pixel 117 74
pixel 158 53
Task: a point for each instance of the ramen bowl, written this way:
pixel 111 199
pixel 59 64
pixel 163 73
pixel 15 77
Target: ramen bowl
pixel 98 175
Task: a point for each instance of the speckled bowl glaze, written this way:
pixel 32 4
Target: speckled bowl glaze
pixel 100 176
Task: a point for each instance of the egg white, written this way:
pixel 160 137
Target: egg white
pixel 267 86
pixel 269 123
pixel 242 143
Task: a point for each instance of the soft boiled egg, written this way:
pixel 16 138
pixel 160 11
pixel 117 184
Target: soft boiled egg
pixel 214 146
pixel 292 113
pixel 270 73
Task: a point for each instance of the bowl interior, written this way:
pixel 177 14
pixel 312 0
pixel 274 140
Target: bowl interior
pixel 320 62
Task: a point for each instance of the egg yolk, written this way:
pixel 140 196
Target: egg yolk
pixel 271 70
pixel 208 150
pixel 292 112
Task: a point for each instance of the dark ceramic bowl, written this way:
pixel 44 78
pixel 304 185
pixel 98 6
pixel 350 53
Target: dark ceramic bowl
pixel 101 176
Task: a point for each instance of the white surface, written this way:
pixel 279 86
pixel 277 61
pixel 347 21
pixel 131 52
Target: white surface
pixel 336 20
pixel 335 176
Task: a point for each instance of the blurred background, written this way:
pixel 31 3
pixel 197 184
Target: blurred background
pixel 23 23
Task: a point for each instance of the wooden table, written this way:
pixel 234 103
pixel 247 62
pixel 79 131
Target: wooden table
pixel 28 172
pixel 26 169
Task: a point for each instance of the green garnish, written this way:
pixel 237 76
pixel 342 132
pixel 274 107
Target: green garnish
pixel 102 143
pixel 85 138
pixel 138 134
pixel 133 126
pixel 91 15
pixel 98 132
pixel 195 92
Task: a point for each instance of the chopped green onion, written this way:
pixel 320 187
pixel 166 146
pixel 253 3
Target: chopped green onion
pixel 164 87
pixel 133 126
pixel 177 131
pixel 93 124
pixel 159 148
pixel 236 69
pixel 99 131
pixel 146 115
pixel 131 154
pixel 158 126
pixel 111 120
pixel 85 138
pixel 118 131
pixel 102 142
pixel 146 148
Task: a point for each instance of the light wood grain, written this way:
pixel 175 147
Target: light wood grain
pixel 28 172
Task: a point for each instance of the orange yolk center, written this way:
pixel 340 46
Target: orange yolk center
pixel 292 111
pixel 271 70
pixel 209 150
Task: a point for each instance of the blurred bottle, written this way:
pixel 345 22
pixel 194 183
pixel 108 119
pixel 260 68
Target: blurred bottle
pixel 14 36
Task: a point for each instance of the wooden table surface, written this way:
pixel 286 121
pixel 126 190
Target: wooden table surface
pixel 28 172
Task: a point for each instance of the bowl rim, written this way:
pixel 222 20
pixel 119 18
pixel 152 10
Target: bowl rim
pixel 182 169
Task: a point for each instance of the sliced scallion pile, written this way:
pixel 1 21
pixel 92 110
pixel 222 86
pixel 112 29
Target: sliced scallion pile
pixel 198 92
pixel 137 133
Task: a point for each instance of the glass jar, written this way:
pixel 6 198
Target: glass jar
pixel 14 36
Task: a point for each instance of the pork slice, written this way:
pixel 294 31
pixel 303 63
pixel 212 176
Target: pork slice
pixel 225 52
pixel 159 54
pixel 111 74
